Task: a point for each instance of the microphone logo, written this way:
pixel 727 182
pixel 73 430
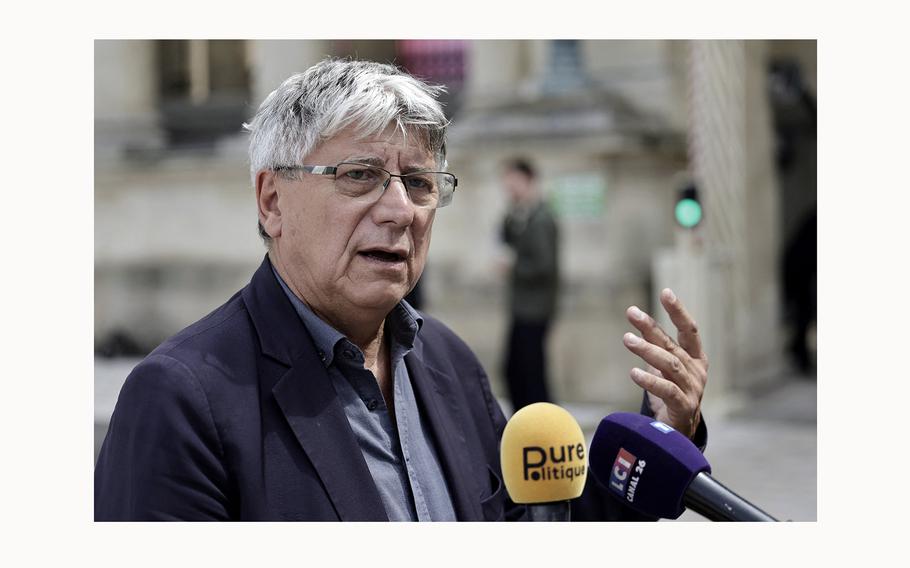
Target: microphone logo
pixel 543 455
pixel 658 425
pixel 622 480
pixel 563 462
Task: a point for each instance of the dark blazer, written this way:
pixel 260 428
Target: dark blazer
pixel 235 418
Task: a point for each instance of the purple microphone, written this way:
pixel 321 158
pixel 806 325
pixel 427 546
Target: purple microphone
pixel 657 471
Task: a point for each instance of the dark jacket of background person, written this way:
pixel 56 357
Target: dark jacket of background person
pixel 533 235
pixel 235 418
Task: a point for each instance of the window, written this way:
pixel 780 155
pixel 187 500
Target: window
pixel 204 89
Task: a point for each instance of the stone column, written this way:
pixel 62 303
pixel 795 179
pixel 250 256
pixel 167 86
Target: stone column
pixel 273 61
pixel 126 95
pixel 199 71
pixel 717 153
pixel 494 68
pixel 729 265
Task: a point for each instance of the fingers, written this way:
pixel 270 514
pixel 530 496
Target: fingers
pixel 649 328
pixel 668 364
pixel 652 333
pixel 687 330
pixel 685 324
pixel 666 391
pixel 677 372
pixel 668 402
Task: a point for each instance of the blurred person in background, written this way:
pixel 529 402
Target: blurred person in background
pixel 317 393
pixel 530 231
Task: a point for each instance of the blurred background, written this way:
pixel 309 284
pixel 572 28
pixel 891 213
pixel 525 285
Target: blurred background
pixel 617 129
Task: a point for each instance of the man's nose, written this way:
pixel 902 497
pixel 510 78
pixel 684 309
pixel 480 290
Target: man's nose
pixel 395 203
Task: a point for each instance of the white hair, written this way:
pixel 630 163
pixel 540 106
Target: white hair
pixel 315 105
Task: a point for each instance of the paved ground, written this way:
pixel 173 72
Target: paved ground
pixel 765 451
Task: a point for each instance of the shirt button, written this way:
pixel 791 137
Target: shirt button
pixel 322 356
pixel 372 404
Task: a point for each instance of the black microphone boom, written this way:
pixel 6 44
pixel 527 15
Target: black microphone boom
pixel 550 512
pixel 711 499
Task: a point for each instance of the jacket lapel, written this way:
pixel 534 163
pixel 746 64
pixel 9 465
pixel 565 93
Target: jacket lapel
pixel 309 403
pixel 307 398
pixel 438 401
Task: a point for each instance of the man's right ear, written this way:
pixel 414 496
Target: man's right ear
pixel 267 200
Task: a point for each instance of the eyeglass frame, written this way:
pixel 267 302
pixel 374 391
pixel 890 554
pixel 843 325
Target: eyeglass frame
pixel 332 170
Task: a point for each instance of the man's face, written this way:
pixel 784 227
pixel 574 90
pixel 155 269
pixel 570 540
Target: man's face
pixel 517 185
pixel 341 254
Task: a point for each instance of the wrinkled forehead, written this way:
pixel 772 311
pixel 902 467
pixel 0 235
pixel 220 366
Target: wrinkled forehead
pixel 411 142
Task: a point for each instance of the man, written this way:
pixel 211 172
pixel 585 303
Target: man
pixel 315 393
pixel 529 229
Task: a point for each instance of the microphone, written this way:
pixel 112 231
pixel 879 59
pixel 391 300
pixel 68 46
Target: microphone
pixel 657 471
pixel 542 453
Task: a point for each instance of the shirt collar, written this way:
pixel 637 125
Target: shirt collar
pixel 403 323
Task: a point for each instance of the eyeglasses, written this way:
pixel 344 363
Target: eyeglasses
pixel 430 190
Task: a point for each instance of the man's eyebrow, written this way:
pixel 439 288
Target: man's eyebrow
pixel 368 160
pixel 409 169
pixel 380 163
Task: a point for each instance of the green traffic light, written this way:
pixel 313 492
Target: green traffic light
pixel 688 213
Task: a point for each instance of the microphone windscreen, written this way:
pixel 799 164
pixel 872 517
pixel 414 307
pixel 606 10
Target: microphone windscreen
pixel 543 455
pixel 645 463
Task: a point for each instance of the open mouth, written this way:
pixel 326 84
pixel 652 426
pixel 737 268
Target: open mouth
pixel 382 256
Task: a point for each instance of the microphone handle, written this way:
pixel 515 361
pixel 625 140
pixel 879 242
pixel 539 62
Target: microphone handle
pixel 711 499
pixel 558 511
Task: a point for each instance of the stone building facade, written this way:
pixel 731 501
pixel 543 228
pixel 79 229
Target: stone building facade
pixel 614 127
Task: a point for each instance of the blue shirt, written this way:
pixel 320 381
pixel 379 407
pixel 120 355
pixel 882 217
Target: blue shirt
pixel 399 453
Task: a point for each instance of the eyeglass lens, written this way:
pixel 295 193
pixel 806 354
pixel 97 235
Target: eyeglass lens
pixel 426 189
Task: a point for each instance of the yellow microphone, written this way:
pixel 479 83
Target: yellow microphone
pixel 544 460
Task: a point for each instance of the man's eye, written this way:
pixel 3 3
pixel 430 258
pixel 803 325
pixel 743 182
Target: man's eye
pixel 420 182
pixel 361 175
